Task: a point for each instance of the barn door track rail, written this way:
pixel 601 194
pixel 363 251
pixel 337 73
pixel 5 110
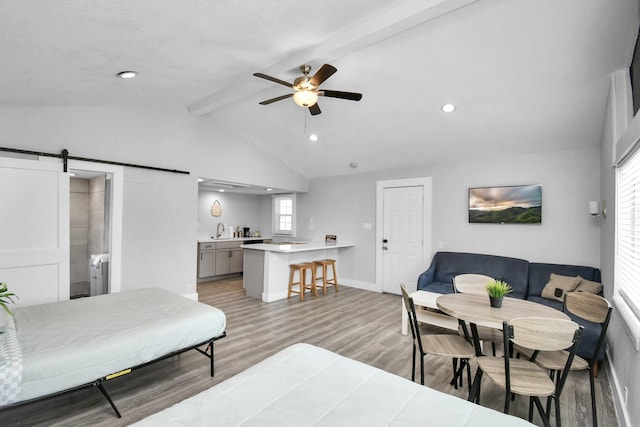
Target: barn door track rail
pixel 64 155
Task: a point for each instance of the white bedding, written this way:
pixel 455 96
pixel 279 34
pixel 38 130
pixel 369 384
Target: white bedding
pixel 305 385
pixel 71 343
pixel 10 361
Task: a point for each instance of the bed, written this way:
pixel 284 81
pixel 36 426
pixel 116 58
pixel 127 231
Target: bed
pixel 304 385
pixel 58 347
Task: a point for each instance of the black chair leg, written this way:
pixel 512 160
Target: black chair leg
pixel 543 415
pixel 530 409
pixel 413 365
pixel 558 417
pixel 507 401
pixel 422 369
pixel 474 391
pixel 454 379
pixel 593 397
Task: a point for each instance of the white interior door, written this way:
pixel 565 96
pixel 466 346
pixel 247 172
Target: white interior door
pixel 34 230
pixel 402 243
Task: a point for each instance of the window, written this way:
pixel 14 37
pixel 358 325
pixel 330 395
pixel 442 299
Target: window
pixel 627 261
pixel 284 215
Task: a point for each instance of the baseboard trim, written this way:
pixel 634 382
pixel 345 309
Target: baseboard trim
pixel 617 394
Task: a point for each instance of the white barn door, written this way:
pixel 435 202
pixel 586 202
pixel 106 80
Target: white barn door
pixel 34 230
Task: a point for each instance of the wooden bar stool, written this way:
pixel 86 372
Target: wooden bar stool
pixel 325 263
pixel 302 282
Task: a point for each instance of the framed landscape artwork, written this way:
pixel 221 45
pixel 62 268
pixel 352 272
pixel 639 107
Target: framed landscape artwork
pixel 518 204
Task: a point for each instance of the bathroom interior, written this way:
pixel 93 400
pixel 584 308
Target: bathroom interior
pixel 89 215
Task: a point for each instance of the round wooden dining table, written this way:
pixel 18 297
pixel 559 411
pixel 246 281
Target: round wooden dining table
pixel 476 310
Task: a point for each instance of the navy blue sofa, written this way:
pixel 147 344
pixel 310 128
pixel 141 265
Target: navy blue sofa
pixel 527 280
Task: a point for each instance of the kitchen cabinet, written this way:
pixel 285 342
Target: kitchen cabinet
pixel 229 257
pixel 219 258
pixel 206 260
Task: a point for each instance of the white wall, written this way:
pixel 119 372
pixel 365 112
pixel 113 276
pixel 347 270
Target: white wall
pixel 160 212
pixel 237 210
pixel 568 234
pixel 624 360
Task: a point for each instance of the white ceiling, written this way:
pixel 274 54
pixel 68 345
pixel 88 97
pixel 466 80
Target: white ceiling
pixel 525 75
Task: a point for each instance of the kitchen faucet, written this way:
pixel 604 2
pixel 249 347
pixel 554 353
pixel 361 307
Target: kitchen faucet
pixel 218 231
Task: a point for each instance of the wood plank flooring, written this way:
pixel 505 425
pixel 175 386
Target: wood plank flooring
pixel 358 324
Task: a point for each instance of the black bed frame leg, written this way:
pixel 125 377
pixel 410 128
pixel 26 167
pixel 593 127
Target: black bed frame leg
pixel 106 395
pixel 211 345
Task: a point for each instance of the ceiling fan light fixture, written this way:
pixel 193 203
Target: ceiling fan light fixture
pixel 127 74
pixel 305 98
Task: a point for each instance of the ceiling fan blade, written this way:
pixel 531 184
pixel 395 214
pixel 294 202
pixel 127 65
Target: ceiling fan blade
pixel 351 96
pixel 273 79
pixel 272 100
pixel 314 109
pixel 323 74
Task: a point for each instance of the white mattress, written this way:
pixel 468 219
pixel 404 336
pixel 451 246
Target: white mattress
pixel 71 343
pixel 305 385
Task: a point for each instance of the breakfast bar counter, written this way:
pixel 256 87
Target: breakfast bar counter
pixel 266 265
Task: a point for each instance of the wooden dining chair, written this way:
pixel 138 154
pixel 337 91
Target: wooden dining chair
pixel 525 377
pixel 589 307
pixel 454 346
pixel 476 284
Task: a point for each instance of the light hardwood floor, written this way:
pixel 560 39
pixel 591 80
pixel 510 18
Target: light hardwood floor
pixel 358 324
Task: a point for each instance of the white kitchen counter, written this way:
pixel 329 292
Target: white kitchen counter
pixel 295 247
pixel 266 265
pixel 230 239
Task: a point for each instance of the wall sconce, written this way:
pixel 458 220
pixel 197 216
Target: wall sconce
pixel 594 209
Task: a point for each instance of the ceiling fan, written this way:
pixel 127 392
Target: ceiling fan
pixel 306 88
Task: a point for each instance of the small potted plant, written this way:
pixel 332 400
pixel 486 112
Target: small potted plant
pixel 497 289
pixel 6 297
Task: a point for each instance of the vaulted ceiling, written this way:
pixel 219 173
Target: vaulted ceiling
pixel 524 76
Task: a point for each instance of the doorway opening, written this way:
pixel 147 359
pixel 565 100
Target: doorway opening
pixel 89 233
pixel 95 224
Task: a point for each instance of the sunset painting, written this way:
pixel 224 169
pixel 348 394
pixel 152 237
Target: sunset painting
pixel 520 204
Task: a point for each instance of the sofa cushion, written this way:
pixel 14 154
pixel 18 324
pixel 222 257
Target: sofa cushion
pixel 548 302
pixel 590 334
pixel 440 288
pixel 590 337
pixel 558 285
pixel 539 274
pixel 589 286
pixel 446 265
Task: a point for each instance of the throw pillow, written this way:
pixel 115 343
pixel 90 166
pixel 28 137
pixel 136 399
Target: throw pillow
pixel 589 286
pixel 558 285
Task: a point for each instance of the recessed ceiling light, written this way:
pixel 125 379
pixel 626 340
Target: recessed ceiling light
pixel 200 179
pixel 127 74
pixel 448 108
pixel 269 189
pixel 72 174
pixel 313 137
pixel 221 190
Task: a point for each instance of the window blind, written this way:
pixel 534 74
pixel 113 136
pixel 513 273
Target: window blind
pixel 627 263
